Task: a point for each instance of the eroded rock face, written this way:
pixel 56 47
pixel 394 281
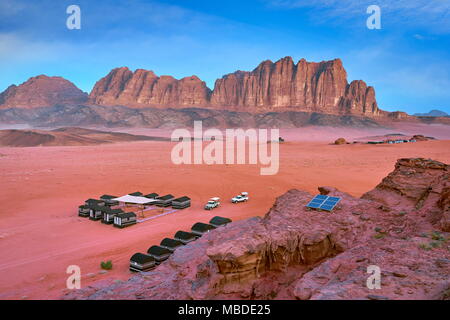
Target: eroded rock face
pixel 280 86
pixel 418 185
pixel 41 91
pixel 143 88
pixel 298 253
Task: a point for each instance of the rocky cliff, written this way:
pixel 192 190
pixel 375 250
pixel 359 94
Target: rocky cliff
pixel 280 86
pixel 143 88
pixel 296 253
pixel 41 91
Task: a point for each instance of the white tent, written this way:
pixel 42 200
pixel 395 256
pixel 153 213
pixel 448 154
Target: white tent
pixel 134 200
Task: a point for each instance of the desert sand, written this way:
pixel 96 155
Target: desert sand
pixel 41 188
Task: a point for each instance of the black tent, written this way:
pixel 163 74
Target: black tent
pixel 171 244
pixel 164 201
pixel 184 237
pixel 136 194
pixel 96 212
pixel 151 195
pixel 142 262
pixel 84 210
pixel 181 203
pixel 109 214
pixel 94 202
pixel 159 253
pixel 219 221
pixel 200 228
pixel 107 197
pixel 123 220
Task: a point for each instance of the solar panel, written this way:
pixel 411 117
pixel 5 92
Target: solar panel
pixel 323 202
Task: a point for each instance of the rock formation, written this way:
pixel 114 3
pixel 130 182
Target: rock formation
pixel 340 141
pixel 79 115
pixel 280 86
pixel 298 253
pixel 41 91
pixel 143 88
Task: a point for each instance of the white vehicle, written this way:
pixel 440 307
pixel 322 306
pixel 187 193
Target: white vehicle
pixel 243 197
pixel 212 203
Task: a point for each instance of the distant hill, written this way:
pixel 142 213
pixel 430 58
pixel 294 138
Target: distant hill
pixel 432 113
pixel 41 91
pixel 66 137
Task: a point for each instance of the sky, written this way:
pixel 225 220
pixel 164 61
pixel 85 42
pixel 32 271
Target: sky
pixel 407 61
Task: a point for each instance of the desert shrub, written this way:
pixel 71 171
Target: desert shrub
pixel 435 235
pixel 106 265
pixel 424 246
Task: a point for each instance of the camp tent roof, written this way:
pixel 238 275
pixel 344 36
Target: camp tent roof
pixel 151 195
pixel 219 220
pixel 142 258
pixel 171 243
pixel 96 207
pixel 166 197
pixel 182 199
pixel 113 211
pixel 158 251
pixel 184 235
pixel 127 215
pixel 107 197
pixel 84 207
pixel 136 194
pixel 202 227
pixel 93 200
pixel 134 199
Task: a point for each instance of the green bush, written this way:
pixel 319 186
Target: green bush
pixel 106 265
pixel 424 246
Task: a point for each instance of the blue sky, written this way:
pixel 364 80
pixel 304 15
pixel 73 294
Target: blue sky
pixel 407 61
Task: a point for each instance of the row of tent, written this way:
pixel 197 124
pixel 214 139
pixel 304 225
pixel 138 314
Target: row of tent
pixel 101 209
pixel 392 141
pixel 141 262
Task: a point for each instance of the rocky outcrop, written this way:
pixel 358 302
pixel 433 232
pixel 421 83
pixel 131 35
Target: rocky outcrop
pixel 298 253
pixel 340 141
pixel 41 91
pixel 143 88
pixel 417 185
pixel 280 86
pixel 75 115
pixel 305 86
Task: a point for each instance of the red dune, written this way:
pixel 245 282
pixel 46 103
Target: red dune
pixel 64 137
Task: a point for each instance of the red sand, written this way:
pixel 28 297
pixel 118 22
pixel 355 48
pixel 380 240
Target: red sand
pixel 41 234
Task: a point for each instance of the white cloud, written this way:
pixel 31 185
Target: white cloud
pixel 432 15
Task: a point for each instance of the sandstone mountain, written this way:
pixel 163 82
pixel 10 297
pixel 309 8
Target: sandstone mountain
pixel 143 88
pixel 280 86
pixel 41 91
pixel 402 226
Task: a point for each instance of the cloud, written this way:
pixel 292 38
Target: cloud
pixel 430 15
